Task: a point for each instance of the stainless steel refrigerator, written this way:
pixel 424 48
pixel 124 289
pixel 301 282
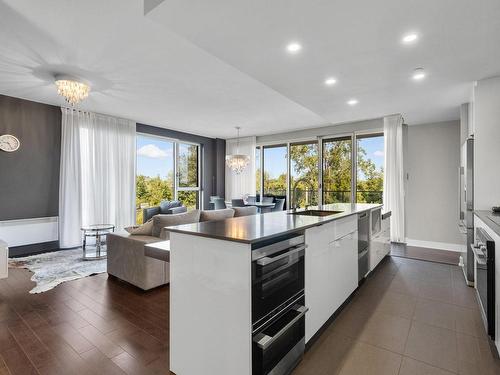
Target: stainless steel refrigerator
pixel 466 223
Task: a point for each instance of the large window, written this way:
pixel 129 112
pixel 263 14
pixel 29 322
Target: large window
pixel 351 170
pixel 337 170
pixel 156 172
pixel 188 185
pixel 370 168
pixel 275 170
pixel 304 174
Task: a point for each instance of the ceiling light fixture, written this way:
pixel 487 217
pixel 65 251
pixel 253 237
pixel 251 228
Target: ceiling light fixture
pixel 352 102
pixel 237 162
pixel 294 47
pixel 410 38
pixel 418 74
pixel 72 90
pixel 330 81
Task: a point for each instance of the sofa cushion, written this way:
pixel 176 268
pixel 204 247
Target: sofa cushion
pixel 167 205
pixel 161 221
pixel 127 237
pixel 145 229
pixel 245 211
pixel 212 215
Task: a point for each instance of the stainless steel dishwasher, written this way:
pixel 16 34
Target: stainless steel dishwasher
pixel 363 241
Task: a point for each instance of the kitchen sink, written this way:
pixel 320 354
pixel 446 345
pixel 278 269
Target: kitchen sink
pixel 315 213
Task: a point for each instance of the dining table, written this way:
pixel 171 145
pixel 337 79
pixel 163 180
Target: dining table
pixel 261 205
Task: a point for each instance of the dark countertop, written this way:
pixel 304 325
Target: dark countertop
pixel 485 216
pixel 251 229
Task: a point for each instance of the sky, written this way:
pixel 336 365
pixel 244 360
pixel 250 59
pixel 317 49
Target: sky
pixel 275 158
pixel 155 156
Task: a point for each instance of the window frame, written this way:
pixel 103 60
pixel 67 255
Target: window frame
pixel 176 142
pixel 320 139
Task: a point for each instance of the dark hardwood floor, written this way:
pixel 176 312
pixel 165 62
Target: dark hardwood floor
pixel 93 325
pixel 408 318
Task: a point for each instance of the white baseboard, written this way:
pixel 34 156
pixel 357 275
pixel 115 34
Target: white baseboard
pixel 436 245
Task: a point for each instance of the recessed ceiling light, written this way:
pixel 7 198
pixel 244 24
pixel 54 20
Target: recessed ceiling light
pixel 293 47
pixel 418 74
pixel 352 101
pixel 410 38
pixel 330 81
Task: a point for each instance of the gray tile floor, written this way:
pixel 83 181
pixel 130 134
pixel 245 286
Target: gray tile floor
pixel 410 318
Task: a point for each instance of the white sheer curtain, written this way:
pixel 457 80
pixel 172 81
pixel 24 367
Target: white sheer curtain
pixel 101 176
pixel 394 193
pixel 238 185
pixel 70 198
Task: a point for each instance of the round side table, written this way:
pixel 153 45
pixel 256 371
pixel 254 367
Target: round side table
pixel 99 232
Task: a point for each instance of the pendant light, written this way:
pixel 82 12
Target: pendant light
pixel 237 162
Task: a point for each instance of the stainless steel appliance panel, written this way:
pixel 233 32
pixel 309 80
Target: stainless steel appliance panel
pixel 466 219
pixel 363 243
pixel 484 260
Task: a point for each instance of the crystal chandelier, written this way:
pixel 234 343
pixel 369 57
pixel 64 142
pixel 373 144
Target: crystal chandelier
pixel 72 91
pixel 237 162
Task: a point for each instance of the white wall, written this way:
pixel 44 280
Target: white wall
pixel 432 189
pixel 337 129
pixel 486 117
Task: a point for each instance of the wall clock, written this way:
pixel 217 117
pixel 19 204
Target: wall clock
pixel 9 143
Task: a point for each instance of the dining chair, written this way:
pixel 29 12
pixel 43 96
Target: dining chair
pixel 237 203
pixel 279 205
pixel 267 199
pixel 251 199
pixel 219 204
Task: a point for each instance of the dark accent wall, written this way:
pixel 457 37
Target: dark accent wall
pixel 29 177
pixel 212 163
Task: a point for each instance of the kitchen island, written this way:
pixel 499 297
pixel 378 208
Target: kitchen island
pixel 220 301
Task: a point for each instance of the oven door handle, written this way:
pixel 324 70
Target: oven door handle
pixel 478 255
pixel 263 341
pixel 268 260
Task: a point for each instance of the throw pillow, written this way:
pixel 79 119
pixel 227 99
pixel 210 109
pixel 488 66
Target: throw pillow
pixel 145 229
pixel 161 221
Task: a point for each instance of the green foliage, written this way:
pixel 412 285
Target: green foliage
pixel 151 191
pixel 337 169
pixel 369 188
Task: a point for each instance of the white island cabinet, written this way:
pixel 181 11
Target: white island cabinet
pixel 331 269
pixel 213 274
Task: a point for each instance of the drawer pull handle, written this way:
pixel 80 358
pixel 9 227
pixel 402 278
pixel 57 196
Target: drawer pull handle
pixel 263 341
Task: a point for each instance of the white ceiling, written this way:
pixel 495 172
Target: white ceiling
pixel 207 66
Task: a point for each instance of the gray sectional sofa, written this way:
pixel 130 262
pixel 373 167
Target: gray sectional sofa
pixel 126 257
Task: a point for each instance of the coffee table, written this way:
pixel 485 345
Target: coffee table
pixel 99 232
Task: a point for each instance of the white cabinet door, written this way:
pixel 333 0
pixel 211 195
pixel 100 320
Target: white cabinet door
pixel 331 271
pixel 318 286
pixel 344 268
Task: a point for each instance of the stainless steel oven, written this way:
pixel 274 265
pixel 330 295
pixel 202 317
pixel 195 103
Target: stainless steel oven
pixel 484 270
pixel 277 276
pixel 278 311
